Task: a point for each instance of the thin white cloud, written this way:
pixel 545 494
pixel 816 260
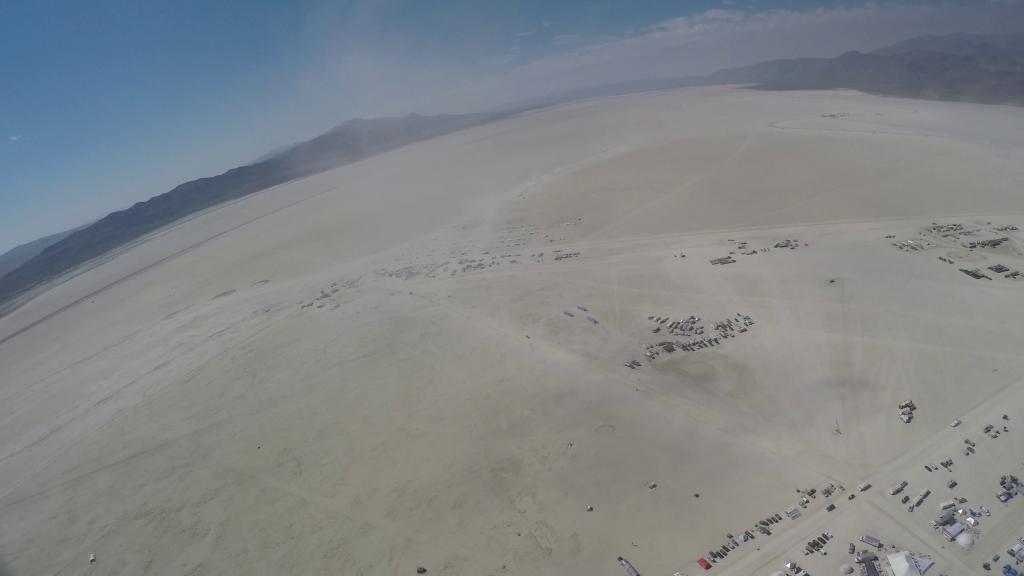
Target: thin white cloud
pixel 14 137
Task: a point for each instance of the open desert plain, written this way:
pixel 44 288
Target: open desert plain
pixel 624 327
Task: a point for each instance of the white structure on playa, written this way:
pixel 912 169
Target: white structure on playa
pixel 965 540
pixel 904 564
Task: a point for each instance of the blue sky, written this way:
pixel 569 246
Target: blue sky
pixel 109 102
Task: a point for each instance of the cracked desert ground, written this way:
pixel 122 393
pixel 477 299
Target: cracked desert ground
pixel 371 369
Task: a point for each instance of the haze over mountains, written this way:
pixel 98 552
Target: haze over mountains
pixel 20 254
pixel 963 67
pixel 349 142
pixel 975 68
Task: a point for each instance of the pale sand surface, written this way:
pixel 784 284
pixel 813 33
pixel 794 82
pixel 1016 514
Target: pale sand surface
pixel 297 383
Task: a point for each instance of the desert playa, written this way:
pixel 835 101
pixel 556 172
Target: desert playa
pixel 507 351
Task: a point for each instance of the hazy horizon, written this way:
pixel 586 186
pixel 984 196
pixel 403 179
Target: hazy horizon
pixel 93 126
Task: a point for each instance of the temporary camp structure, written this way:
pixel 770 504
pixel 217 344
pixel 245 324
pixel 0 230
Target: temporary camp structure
pixel 965 540
pixel 902 564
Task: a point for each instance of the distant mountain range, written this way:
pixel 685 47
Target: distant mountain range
pixel 963 67
pixel 963 44
pixel 36 262
pixel 18 255
pixel 966 67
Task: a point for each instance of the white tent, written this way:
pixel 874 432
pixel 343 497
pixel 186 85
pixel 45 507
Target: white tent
pixel 965 540
pixel 902 564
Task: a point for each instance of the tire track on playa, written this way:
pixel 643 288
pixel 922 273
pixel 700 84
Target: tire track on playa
pixel 827 226
pixel 779 125
pixel 672 193
pixel 891 312
pixel 850 339
pixel 724 426
pixel 794 534
pixel 123 250
pixel 152 265
pixel 585 244
pixel 13 394
pixel 522 190
pixel 317 503
pixel 86 412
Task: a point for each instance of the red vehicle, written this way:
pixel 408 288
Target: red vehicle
pixel 704 564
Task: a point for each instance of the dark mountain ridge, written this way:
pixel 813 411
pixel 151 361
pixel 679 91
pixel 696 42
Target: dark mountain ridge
pixel 352 141
pixel 22 253
pixel 954 67
pixel 964 67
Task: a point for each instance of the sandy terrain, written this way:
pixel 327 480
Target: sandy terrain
pixel 371 370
